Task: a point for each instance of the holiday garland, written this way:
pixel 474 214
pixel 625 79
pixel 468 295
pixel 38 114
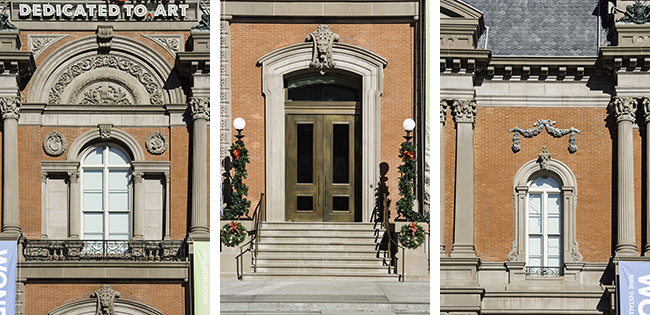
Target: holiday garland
pixel 233 234
pixel 412 235
pixel 238 160
pixel 406 179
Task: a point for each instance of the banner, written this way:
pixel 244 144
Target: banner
pixel 634 288
pixel 8 251
pixel 201 278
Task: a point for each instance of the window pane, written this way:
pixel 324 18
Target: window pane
pixel 94 223
pixel 116 157
pixel 535 203
pixel 554 224
pixel 93 201
pixel 305 203
pixel 535 246
pixel 554 203
pixel 554 246
pixel 93 180
pixel 305 158
pixel 118 224
pixel 341 153
pixel 535 261
pixel 341 203
pixel 118 179
pixel 547 182
pixel 535 224
pixel 553 262
pixel 94 156
pixel 118 201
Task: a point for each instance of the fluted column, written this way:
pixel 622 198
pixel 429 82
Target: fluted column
pixel 75 205
pixel 646 110
pixel 167 207
pixel 10 199
pixel 444 108
pixel 625 110
pixel 138 207
pixel 464 112
pixel 200 108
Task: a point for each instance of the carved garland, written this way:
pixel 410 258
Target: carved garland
pixel 539 126
pixel 90 63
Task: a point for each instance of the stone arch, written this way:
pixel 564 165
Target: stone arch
pixel 117 135
pixel 89 307
pixel 287 60
pixel 77 65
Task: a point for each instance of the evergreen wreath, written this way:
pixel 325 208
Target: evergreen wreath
pixel 412 235
pixel 233 234
pixel 238 160
pixel 406 179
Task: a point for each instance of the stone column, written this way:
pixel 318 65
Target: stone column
pixel 444 108
pixel 646 110
pixel 200 109
pixel 44 196
pixel 464 112
pixel 625 110
pixel 10 199
pixel 138 206
pixel 75 206
pixel 167 207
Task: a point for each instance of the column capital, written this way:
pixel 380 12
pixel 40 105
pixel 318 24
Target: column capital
pixel 624 108
pixel 200 107
pixel 10 107
pixel 464 111
pixel 444 108
pixel 73 177
pixel 645 102
pixel 138 177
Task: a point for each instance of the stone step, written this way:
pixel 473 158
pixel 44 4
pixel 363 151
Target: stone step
pixel 298 253
pixel 292 239
pixel 320 232
pixel 323 268
pixel 318 246
pixel 341 226
pixel 341 276
pixel 315 261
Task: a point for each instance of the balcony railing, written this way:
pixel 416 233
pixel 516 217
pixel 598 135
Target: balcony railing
pixel 75 250
pixel 544 271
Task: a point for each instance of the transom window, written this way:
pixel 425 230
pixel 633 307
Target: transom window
pixel 322 89
pixel 106 196
pixel 544 225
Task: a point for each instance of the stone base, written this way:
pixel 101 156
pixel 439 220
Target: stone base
pixel 10 40
pixel 200 41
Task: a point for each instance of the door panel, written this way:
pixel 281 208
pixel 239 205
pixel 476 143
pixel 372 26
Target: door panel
pixel 320 163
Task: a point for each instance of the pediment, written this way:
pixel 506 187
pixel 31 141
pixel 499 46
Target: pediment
pixel 457 9
pixel 460 25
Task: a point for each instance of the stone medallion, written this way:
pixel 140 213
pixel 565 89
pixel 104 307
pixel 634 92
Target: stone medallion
pixel 55 144
pixel 157 143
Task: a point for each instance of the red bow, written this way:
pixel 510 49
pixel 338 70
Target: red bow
pixel 410 154
pixel 234 226
pixel 413 228
pixel 236 152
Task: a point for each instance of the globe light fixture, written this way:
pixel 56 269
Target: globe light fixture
pixel 239 124
pixel 409 125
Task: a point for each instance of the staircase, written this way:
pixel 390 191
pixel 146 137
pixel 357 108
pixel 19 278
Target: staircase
pixel 321 251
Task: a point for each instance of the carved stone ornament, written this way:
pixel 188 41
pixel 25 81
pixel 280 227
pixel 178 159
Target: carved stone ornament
pixel 544 158
pixel 105 300
pixel 157 143
pixel 10 107
pixel 172 43
pixel 444 108
pixel 138 177
pixel 200 107
pixel 637 13
pixel 645 102
pixel 104 36
pixel 624 108
pixel 541 125
pixel 37 43
pixel 109 95
pixel 55 143
pixel 97 62
pixel 105 130
pixel 323 40
pixel 73 177
pixel 464 110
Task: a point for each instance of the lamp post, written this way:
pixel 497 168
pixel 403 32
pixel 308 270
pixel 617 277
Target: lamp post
pixel 409 125
pixel 239 124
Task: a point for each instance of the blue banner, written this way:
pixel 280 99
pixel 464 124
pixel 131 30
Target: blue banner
pixel 8 251
pixel 633 288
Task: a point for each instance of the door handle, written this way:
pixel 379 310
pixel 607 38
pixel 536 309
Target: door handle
pixel 318 191
pixel 325 188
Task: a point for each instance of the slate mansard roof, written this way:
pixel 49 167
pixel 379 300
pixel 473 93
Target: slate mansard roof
pixel 540 27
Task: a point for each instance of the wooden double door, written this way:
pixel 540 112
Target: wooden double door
pixel 322 156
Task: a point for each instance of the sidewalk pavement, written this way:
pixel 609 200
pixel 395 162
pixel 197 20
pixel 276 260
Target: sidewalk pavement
pixel 257 297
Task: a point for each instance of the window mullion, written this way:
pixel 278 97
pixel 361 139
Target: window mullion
pixel 545 228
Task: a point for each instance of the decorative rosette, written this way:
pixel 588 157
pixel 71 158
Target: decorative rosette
pixel 233 234
pixel 412 235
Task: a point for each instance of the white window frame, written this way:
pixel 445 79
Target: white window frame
pixel 105 166
pixel 544 233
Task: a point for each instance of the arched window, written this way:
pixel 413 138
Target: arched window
pixel 544 228
pixel 106 194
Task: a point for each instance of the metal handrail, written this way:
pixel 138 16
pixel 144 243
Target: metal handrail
pixel 390 238
pixel 254 237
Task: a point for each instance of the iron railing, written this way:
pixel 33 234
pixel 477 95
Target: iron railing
pixel 74 250
pixel 544 271
pixel 390 242
pixel 259 215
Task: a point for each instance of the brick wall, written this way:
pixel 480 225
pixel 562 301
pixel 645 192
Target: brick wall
pixel 249 42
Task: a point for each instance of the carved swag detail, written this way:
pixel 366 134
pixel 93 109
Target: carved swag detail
pixel 123 64
pixel 539 126
pixel 323 40
pixel 105 96
pixel 105 300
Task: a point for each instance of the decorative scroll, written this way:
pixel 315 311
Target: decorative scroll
pixel 464 110
pixel 544 271
pixel 624 107
pixel 172 43
pixel 323 40
pixel 104 36
pixel 105 300
pixel 444 108
pixel 97 62
pixel 55 143
pixel 539 126
pixel 37 43
pixel 105 130
pixel 10 107
pixel 200 107
pixel 157 143
pixel 544 158
pixel 66 250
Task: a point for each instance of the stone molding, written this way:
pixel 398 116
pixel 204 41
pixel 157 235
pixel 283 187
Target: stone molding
pixel 172 43
pixel 225 97
pixel 444 108
pixel 10 107
pixel 75 150
pixel 323 39
pixel 540 125
pixel 38 43
pixel 351 59
pixel 89 306
pixel 464 111
pixel 55 143
pixel 157 143
pixel 506 68
pixel 104 36
pixel 624 108
pixel 200 107
pixel 565 177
